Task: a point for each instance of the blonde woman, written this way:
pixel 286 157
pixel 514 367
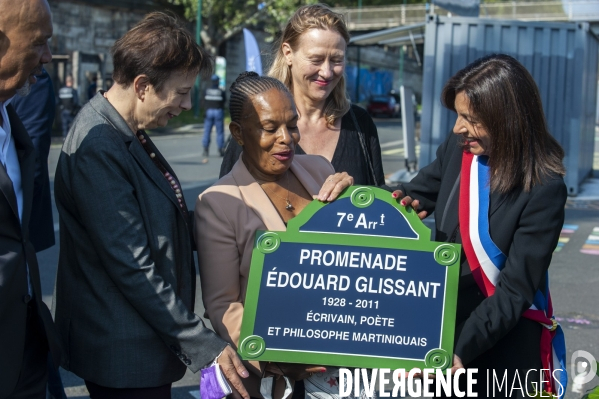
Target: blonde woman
pixel 309 59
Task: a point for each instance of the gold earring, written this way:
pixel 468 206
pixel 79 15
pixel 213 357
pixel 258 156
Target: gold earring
pixel 240 142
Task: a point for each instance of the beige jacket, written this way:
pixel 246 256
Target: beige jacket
pixel 227 216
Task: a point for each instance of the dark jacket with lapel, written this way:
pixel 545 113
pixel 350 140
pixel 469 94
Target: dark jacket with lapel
pixel 16 252
pixel 490 332
pixel 125 286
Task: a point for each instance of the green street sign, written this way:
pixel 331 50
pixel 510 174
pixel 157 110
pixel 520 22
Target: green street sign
pixel 352 283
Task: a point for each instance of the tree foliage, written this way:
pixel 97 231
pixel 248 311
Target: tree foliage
pixel 222 19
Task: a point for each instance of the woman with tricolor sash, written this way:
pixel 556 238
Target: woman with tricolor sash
pixel 496 187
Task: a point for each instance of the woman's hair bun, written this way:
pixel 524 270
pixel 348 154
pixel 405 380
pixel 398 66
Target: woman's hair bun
pixel 243 76
pixel 247 85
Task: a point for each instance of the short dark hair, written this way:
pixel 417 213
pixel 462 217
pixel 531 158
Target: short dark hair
pixel 156 47
pixel 247 85
pixel 506 101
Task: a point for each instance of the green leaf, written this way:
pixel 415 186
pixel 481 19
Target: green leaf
pixel 594 394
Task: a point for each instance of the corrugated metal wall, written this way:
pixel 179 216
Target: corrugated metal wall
pixel 562 58
pixel 371 82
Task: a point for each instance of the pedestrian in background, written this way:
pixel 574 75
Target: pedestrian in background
pixel 69 104
pixel 93 87
pixel 214 103
pixel 26 328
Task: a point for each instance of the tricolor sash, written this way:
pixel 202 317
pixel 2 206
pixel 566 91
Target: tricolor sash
pixel 486 262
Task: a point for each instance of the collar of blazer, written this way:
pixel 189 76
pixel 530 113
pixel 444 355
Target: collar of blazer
pixel 26 155
pixel 104 108
pixel 255 197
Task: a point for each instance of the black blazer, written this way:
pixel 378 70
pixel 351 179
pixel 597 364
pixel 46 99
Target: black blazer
pixel 125 283
pixel 16 252
pixel 36 111
pixel 490 332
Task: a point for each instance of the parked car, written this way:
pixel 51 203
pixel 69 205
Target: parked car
pixel 383 105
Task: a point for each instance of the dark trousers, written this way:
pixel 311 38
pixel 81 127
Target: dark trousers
pixel 34 369
pixel 67 120
pixel 214 117
pixel 100 392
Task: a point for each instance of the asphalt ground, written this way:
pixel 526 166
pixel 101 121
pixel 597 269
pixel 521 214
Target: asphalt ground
pixel 574 269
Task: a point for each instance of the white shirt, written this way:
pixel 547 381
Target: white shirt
pixel 10 162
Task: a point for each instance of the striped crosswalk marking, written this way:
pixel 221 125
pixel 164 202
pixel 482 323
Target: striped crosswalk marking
pixel 591 246
pixel 565 235
pixel 399 150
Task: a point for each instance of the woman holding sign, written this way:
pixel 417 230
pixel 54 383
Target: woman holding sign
pixel 268 185
pixel 496 188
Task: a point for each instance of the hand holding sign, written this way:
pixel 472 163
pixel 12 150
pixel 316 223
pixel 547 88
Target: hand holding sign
pixel 408 201
pixel 333 186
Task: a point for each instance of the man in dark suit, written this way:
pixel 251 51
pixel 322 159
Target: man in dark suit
pixel 26 328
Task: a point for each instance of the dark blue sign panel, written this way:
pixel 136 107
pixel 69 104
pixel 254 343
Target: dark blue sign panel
pixel 342 295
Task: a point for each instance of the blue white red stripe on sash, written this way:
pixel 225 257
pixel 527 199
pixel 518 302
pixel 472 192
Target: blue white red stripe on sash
pixel 488 259
pixel 486 262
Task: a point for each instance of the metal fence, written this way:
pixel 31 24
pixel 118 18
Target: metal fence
pixel 367 18
pixel 562 58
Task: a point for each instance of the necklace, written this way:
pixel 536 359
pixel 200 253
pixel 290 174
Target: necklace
pixel 288 205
